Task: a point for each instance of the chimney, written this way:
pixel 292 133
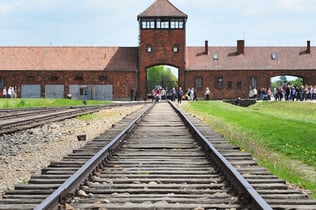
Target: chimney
pixel 206 47
pixel 240 47
pixel 308 49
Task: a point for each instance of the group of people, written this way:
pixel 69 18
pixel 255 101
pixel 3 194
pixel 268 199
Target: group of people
pixel 287 92
pixel 159 93
pixel 295 93
pixel 9 93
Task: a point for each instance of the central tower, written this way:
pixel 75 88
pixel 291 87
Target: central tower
pixel 162 40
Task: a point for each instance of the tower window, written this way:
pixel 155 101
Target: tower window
pixel 148 23
pixel 175 48
pixel 162 23
pixel 149 48
pixel 176 23
pixel 165 23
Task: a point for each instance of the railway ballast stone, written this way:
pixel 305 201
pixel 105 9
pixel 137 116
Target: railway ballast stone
pixel 25 153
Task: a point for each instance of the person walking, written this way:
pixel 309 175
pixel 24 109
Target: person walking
pixel 179 95
pixel 4 92
pixel 207 93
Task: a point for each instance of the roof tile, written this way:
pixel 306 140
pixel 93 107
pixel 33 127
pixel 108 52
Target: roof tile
pixel 162 8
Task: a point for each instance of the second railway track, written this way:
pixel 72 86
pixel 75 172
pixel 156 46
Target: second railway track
pixel 161 164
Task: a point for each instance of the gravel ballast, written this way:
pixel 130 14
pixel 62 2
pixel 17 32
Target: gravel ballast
pixel 25 153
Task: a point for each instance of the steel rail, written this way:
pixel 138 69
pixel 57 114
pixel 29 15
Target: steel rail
pixel 51 114
pixel 250 195
pixel 55 200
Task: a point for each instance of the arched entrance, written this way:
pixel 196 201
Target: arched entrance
pixel 161 77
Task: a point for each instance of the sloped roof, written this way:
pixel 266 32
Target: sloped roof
pixel 126 58
pixel 254 58
pixel 162 8
pixel 69 58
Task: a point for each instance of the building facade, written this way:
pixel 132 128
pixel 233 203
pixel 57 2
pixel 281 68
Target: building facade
pixel 115 73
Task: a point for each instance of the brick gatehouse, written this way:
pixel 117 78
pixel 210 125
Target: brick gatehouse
pixel 110 73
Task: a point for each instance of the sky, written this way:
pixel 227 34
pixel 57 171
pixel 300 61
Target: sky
pixel 114 22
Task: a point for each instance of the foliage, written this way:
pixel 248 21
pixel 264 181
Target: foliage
pixel 281 135
pixel 160 76
pixel 283 80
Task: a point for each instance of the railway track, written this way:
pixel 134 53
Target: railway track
pixel 152 160
pixel 13 120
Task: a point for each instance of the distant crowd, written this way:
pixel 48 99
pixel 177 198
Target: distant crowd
pixel 286 92
pixel 159 93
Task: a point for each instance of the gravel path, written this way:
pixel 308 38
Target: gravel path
pixel 27 152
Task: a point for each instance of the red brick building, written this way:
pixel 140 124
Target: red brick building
pixel 110 73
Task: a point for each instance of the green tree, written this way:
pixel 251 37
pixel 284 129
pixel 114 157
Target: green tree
pixel 160 76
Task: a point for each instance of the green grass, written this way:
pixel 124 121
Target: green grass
pixel 281 135
pixel 27 103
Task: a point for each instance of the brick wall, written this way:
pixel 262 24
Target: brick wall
pixel 209 79
pixel 122 81
pixel 162 43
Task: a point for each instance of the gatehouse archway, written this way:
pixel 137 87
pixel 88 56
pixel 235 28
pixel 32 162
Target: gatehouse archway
pixel 161 77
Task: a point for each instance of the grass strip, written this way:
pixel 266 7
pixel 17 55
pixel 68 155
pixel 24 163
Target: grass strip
pixel 280 135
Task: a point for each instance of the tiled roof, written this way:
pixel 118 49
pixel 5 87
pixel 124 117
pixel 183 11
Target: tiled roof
pixel 254 58
pixel 162 8
pixel 69 58
pixel 126 58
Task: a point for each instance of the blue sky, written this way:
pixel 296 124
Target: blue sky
pixel 114 23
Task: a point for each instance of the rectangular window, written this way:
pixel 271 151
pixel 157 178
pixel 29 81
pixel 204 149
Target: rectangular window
pixel 219 82
pixel 198 82
pixel 54 78
pixel 30 78
pixel 103 78
pixel 239 85
pixel 149 48
pixel 158 23
pixel 79 78
pixel 229 85
pixel 165 23
pixel 253 82
pixel 148 23
pixel 176 23
pixel 175 48
pixel 2 82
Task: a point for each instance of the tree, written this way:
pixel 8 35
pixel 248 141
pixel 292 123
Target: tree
pixel 160 76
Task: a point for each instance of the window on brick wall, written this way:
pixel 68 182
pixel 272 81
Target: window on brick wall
pixel 219 82
pixel 149 48
pixel 54 78
pixel 176 23
pixel 253 82
pixel 198 82
pixel 79 78
pixel 148 23
pixel 30 78
pixel 1 82
pixel 229 85
pixel 239 85
pixel 175 48
pixel 103 78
